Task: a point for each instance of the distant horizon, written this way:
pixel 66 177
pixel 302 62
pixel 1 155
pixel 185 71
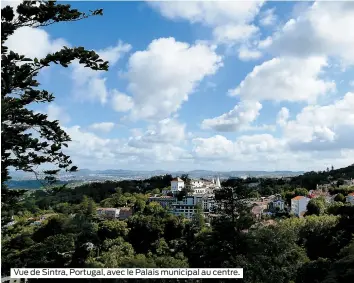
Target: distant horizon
pixel 192 170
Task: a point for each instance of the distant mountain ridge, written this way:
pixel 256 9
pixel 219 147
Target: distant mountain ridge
pixel 22 180
pixel 193 173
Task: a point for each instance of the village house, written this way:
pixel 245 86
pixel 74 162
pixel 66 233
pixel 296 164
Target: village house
pixel 125 213
pixel 299 205
pixel 177 185
pixel 276 204
pixel 111 213
pixel 115 213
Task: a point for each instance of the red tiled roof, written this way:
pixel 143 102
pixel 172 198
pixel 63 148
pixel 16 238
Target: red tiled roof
pixel 297 198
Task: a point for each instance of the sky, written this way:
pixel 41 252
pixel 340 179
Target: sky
pixel 209 85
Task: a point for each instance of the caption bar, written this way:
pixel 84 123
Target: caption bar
pixel 196 273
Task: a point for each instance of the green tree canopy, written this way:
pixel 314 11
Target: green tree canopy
pixel 30 139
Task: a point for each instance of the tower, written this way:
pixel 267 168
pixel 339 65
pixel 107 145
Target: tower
pixel 218 185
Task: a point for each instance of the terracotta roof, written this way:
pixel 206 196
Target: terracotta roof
pixel 297 198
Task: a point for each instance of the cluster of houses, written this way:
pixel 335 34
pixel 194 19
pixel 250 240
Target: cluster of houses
pixel 202 196
pixel 298 206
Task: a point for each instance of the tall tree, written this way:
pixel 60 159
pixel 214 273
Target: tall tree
pixel 233 219
pixel 30 139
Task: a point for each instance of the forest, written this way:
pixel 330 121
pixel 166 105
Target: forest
pixel 316 248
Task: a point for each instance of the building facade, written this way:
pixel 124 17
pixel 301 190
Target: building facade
pixel 299 205
pixel 177 184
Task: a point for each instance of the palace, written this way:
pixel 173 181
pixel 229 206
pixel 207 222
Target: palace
pixel 201 196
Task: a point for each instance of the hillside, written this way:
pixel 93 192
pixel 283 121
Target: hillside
pixel 309 180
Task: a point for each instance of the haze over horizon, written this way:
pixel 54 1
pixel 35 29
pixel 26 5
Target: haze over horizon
pixel 221 86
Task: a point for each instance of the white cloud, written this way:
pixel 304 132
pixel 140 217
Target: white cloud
pixel 113 53
pixel 236 119
pixel 162 77
pixel 90 85
pixel 229 20
pixel 323 127
pixel 283 116
pixel 285 79
pixel 268 18
pixel 56 112
pixel 244 148
pixel 34 42
pixel 211 13
pixel 265 43
pixel 167 131
pixel 232 34
pixel 121 102
pixel 245 54
pixel 324 29
pixel 103 126
pixel 88 150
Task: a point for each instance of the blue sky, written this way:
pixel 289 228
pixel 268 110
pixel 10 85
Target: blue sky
pixel 205 85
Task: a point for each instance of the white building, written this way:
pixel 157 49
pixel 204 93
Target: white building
pixel 177 184
pixel 188 206
pixel 217 183
pixel 200 190
pixel 350 198
pixel 197 184
pixel 299 205
pixel 111 213
pixel 164 201
pixel 276 203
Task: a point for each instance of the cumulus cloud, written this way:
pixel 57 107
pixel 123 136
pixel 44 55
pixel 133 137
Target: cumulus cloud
pixel 323 127
pixel 90 85
pixel 246 54
pixel 322 30
pixel 248 147
pixel 285 79
pixel 113 53
pixel 34 42
pixel 167 131
pixel 56 112
pixel 90 150
pixel 121 102
pixel 230 21
pixel 232 34
pixel 236 119
pixel 268 17
pixel 162 77
pixel 102 127
pixel 211 13
pixel 283 116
